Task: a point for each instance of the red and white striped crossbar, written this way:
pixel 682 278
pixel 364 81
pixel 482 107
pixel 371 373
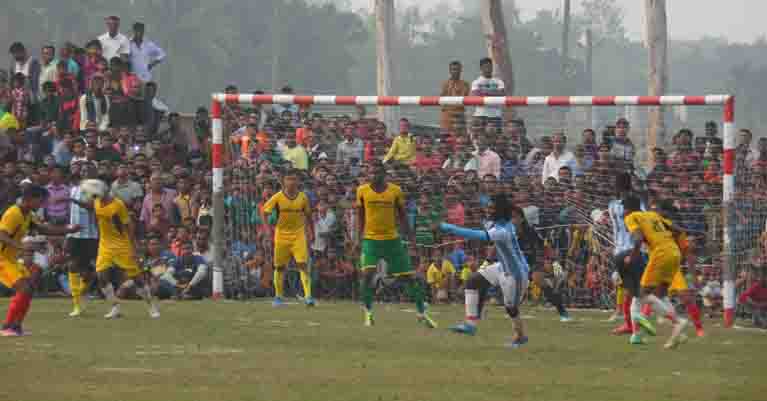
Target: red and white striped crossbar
pixel 510 101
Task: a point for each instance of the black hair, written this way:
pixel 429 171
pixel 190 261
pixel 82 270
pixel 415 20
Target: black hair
pixel 623 182
pixel 138 25
pixel 667 209
pixel 290 171
pixel 485 60
pixel 35 191
pixel 503 207
pixel 632 203
pixel 17 47
pixel 94 43
pixel 455 62
pixel 52 47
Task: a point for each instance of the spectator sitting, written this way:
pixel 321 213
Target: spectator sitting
pixel 187 278
pixel 295 153
pixel 157 260
pixel 559 157
pixel 94 105
pixel 350 151
pixel 158 194
pixel 622 148
pixel 488 162
pixel 57 204
pixel 403 149
pixel 426 159
pixel 441 279
pixel 755 297
pixel 27 66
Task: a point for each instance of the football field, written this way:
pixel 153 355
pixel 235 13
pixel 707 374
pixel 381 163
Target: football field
pixel 249 351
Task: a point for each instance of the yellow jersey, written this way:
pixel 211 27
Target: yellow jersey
pixel 16 225
pixel 113 221
pixel 437 277
pixel 291 213
pixel 380 211
pixel 654 227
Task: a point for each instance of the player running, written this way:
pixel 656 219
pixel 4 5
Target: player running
pixel 14 226
pixel 292 235
pixel 665 258
pixel 116 249
pixel 83 245
pixel 380 205
pixel 510 272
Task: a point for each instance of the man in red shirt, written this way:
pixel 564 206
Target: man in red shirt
pixel 756 298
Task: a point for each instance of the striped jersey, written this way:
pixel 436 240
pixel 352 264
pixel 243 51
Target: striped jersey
pixel 621 236
pixel 83 217
pixel 507 249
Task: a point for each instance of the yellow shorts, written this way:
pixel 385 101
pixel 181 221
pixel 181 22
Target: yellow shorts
pixel 679 283
pixel 11 272
pixel 124 260
pixel 662 267
pixel 284 251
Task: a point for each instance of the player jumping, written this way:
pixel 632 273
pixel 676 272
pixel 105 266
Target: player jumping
pixel 293 234
pixel 14 226
pixel 380 205
pixel 510 272
pixel 117 249
pixel 665 258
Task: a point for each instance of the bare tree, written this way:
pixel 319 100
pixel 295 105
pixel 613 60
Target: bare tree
pixel 657 51
pixel 384 14
pixel 494 29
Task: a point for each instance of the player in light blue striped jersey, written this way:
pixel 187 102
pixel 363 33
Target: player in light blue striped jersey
pixel 510 272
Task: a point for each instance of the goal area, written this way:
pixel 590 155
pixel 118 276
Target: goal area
pixel 706 177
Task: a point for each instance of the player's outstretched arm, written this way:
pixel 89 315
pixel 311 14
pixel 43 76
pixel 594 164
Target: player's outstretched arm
pixel 463 232
pixel 48 229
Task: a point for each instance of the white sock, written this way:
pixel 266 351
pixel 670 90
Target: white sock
pixel 472 306
pixel 661 307
pixel 109 293
pixel 145 293
pixel 636 313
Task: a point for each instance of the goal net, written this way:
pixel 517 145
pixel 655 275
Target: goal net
pixel 458 151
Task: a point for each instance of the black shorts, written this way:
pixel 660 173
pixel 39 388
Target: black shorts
pixel 83 252
pixel 631 274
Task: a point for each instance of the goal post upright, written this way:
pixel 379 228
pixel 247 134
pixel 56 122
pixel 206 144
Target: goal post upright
pixel 727 102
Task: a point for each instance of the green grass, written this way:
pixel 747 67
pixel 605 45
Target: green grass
pixel 248 351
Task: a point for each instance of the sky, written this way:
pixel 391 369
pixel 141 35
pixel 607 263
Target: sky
pixel 738 20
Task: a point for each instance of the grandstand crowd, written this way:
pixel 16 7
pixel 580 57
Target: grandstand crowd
pixel 70 112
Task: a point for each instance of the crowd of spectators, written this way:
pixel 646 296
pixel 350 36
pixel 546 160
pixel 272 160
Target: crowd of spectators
pixel 93 112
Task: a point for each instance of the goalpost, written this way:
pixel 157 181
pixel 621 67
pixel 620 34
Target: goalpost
pixel 731 260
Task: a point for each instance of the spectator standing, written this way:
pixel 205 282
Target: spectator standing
pixel 756 298
pixel 113 43
pixel 70 64
pixel 517 135
pixel 350 151
pixel 589 142
pixel 404 146
pixel 295 153
pixel 454 116
pixel 94 105
pixel 558 157
pixel 488 162
pixel 47 66
pixel 27 66
pixel 487 85
pixel 158 194
pixel 93 58
pixel 622 150
pixel 145 55
pixel 57 204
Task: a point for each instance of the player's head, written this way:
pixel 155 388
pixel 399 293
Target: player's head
pixel 290 180
pixel 500 208
pixel 666 208
pixel 631 204
pixel 623 183
pixel 378 172
pixel 486 66
pixel 518 217
pixel 33 196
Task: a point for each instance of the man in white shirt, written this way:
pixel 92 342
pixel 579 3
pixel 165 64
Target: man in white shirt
pixel 113 43
pixel 48 64
pixel 144 54
pixel 486 85
pixel 559 157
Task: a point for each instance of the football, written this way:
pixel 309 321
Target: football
pixel 91 189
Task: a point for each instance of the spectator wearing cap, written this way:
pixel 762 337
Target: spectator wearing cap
pixel 27 66
pixel 114 43
pixel 623 150
pixel 559 157
pixel 145 55
pixel 94 105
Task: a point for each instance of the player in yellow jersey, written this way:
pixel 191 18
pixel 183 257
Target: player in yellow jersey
pixel 665 258
pixel 292 235
pixel 14 226
pixel 117 250
pixel 381 219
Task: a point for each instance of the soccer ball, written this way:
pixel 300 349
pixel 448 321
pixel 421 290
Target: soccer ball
pixel 91 189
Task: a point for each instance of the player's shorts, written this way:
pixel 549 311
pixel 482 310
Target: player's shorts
pixel 285 251
pixel 84 252
pixel 631 274
pixel 123 260
pixel 11 272
pixel 679 283
pixel 662 267
pixel 513 286
pixel 392 251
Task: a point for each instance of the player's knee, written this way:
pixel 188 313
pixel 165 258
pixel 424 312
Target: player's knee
pixel 512 311
pixel 538 279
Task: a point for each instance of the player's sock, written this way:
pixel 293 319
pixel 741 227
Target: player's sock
pixel 628 300
pixel 14 310
pixel 647 310
pixel 472 306
pixel 661 306
pixel 693 311
pixel 417 293
pixel 76 288
pixel 367 295
pixel 278 283
pixel 556 299
pixel 109 293
pixel 145 293
pixel 306 283
pixel 635 310
pixel 26 302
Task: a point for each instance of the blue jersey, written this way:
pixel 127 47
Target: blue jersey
pixel 507 248
pixel 622 237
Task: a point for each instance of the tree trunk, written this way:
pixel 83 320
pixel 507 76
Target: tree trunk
pixel 494 29
pixel 384 14
pixel 276 44
pixel 657 51
pixel 565 43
